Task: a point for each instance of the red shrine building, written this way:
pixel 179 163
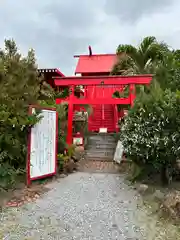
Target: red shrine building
pixel 104 115
pixel 92 73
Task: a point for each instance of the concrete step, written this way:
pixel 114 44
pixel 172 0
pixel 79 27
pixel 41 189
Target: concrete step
pixel 101 147
pixel 101 137
pixel 98 144
pixel 93 148
pixel 95 153
pixel 107 135
pixel 104 147
pixel 100 150
pixel 103 141
pixel 102 134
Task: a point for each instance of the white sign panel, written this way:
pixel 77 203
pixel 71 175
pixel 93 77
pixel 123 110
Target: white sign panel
pixel 119 152
pixel 43 145
pixel 77 141
pixel 103 130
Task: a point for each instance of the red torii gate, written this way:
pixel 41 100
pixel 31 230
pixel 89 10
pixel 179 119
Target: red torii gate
pixel 112 81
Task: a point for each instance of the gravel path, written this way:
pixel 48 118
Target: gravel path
pixel 81 206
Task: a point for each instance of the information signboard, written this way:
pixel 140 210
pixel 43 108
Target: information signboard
pixel 119 152
pixel 42 145
pixel 77 141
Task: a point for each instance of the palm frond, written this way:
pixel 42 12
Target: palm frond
pixel 141 60
pixel 146 43
pixel 127 49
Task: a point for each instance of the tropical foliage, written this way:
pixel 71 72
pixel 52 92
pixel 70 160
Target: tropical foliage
pixel 141 60
pixel 150 132
pixel 20 86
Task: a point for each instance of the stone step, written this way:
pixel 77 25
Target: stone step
pixel 105 140
pixel 102 134
pixel 100 153
pixel 101 137
pixel 99 145
pixel 101 148
pixel 108 140
pixel 98 140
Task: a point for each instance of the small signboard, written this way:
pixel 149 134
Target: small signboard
pixel 42 145
pixel 125 112
pixel 119 152
pixel 103 130
pixel 77 141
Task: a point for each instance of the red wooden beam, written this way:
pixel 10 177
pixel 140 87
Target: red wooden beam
pixel 106 80
pixel 97 101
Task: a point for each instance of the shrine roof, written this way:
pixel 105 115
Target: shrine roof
pixel 96 63
pixel 52 71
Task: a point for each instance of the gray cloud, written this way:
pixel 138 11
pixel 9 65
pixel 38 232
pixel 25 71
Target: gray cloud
pixel 133 10
pixel 58 29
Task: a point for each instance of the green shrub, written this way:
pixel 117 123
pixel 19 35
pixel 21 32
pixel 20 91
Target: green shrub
pixel 151 131
pixel 20 86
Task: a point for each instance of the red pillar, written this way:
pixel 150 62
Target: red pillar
pixel 70 116
pixel 85 91
pixel 103 104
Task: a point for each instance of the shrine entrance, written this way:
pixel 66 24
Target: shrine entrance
pixel 98 91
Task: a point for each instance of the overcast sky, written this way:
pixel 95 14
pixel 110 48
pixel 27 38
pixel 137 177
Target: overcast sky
pixel 59 29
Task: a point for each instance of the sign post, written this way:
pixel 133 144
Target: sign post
pixel 119 152
pixel 42 145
